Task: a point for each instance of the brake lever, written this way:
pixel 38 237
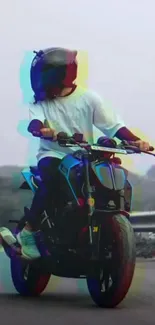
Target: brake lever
pixel 126 146
pixel 133 149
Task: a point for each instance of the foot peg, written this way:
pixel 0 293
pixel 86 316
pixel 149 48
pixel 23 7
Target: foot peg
pixel 26 211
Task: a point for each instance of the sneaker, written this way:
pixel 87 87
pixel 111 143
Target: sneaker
pixel 7 236
pixel 29 249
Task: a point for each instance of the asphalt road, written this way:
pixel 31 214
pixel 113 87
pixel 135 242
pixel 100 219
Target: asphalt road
pixel 67 301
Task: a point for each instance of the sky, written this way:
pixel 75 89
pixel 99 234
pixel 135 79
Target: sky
pixel 117 38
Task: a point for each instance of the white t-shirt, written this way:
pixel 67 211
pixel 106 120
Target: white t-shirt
pixel 76 113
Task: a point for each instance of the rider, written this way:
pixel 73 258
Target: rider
pixel 61 105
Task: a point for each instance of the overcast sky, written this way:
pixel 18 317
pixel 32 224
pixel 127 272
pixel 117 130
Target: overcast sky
pixel 119 37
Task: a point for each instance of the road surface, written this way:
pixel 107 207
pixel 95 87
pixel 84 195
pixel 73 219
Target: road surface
pixel 67 301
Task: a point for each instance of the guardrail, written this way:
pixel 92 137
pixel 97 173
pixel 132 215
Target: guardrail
pixel 143 221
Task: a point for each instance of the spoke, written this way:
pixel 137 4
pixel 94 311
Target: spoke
pixel 106 281
pixel 101 275
pixel 26 272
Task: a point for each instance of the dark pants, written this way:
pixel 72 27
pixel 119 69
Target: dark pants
pixel 48 171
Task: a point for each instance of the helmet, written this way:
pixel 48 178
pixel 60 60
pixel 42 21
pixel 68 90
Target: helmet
pixel 52 70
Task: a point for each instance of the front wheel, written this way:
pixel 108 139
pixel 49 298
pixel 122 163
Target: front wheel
pixel 28 280
pixel 115 274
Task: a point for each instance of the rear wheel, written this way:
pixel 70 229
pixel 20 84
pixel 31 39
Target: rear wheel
pixel 115 274
pixel 27 278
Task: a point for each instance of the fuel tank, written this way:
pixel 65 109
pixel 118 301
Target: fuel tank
pixel 111 176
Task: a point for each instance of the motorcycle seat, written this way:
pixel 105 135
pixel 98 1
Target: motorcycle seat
pixel 36 180
pixel 34 170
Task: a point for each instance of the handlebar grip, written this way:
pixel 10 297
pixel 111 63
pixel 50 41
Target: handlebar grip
pixel 62 135
pixel 130 143
pixel 106 142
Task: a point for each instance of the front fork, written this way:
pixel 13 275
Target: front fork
pixel 94 230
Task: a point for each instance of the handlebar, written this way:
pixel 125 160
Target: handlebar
pixel 77 140
pixel 130 145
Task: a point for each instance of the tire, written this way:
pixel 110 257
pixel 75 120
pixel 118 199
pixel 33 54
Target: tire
pixel 31 285
pixel 121 265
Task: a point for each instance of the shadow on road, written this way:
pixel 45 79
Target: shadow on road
pixel 55 300
pixel 72 300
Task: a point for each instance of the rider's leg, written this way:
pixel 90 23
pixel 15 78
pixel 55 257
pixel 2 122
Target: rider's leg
pixel 48 170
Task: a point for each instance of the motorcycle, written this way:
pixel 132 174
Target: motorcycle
pixel 86 231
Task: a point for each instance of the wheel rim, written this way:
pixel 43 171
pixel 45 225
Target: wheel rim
pixel 106 281
pixel 26 272
pixel 109 269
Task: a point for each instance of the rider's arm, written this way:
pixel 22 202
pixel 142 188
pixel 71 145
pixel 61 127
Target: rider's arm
pixel 125 134
pixel 109 122
pixel 104 119
pixel 37 118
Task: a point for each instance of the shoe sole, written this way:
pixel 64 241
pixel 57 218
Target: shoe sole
pixel 7 236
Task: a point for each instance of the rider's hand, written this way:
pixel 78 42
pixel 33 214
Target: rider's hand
pixel 49 133
pixel 142 145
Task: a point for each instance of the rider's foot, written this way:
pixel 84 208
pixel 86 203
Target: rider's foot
pixel 29 249
pixel 7 236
